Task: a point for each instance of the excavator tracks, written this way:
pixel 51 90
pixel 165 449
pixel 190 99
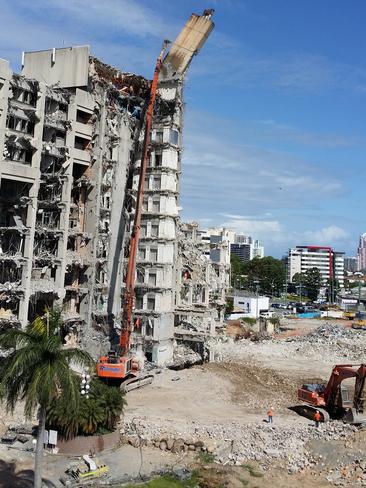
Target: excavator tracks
pixel 136 382
pixel 308 412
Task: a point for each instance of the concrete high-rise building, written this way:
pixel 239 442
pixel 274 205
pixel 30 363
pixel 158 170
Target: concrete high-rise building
pixel 71 131
pixel 329 262
pixel 247 248
pixel 350 264
pixel 361 253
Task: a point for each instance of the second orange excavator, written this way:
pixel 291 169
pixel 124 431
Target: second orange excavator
pixel 334 400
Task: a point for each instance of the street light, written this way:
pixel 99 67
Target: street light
pixel 256 283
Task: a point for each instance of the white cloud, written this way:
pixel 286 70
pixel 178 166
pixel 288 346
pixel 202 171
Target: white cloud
pixel 272 130
pixel 326 236
pixel 222 174
pixel 254 227
pixel 120 15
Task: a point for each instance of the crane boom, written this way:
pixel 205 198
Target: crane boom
pixel 135 235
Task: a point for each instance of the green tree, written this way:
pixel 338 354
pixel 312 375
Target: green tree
pixel 313 282
pixel 36 370
pixel 237 270
pixel 269 272
pixel 100 411
pixel 229 305
pixel 299 278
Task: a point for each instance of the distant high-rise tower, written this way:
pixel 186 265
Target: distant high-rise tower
pixel 361 252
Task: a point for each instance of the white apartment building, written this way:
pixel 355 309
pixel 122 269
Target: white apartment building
pixel 329 262
pixel 218 241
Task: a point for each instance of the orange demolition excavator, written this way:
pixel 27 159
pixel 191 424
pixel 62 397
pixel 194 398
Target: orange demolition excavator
pixel 333 400
pixel 120 366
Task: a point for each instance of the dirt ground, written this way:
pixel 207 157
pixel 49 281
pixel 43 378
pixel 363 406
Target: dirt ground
pixel 234 391
pixel 251 377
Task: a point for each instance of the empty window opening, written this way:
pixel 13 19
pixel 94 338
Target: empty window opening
pixel 156 183
pixel 50 192
pixel 81 143
pixel 158 159
pixel 45 246
pixel 14 191
pixel 145 204
pixel 153 255
pixel 20 125
pixel 154 230
pixel 143 230
pixel 50 165
pixel 39 303
pixel 159 136
pixel 47 219
pixel 152 278
pixel 156 205
pixel 18 154
pixel 142 253
pixel 24 96
pixel 102 249
pixel 174 137
pixel 83 117
pixel 151 303
pixel 140 275
pixel 11 244
pixel 79 170
pixel 139 302
pixel 10 272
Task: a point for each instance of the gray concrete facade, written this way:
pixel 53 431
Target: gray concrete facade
pixel 71 132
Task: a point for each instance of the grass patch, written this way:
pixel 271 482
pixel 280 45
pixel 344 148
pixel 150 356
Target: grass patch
pixel 252 471
pixel 206 457
pixel 167 481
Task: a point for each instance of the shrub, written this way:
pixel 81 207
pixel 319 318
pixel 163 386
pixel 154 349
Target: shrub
pixel 98 413
pixel 248 320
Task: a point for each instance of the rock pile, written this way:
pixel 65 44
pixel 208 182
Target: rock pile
pixel 329 331
pixel 234 443
pixel 353 474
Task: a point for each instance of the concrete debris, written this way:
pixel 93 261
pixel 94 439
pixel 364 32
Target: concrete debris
pixel 184 357
pixel 236 444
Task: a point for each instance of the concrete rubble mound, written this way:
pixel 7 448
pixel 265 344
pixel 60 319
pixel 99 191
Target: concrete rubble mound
pixel 236 443
pixel 331 331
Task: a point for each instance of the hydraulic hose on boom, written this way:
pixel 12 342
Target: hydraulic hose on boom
pixel 119 365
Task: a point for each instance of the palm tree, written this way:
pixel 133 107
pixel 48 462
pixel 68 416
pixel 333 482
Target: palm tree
pixel 37 369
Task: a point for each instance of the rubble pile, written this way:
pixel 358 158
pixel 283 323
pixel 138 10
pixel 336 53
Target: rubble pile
pixel 235 444
pixel 183 357
pixel 340 343
pixel 329 331
pixel 352 474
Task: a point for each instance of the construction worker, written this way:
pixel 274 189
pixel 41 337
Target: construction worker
pixel 270 415
pixel 317 418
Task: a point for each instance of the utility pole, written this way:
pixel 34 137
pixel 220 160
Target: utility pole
pixel 300 291
pixel 256 282
pixel 359 295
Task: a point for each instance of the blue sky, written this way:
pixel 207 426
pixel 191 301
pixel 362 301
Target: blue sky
pixel 275 104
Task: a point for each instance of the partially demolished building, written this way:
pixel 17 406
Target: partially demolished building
pixel 71 130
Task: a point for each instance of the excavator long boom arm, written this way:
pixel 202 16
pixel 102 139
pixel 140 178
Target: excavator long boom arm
pixel 135 235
